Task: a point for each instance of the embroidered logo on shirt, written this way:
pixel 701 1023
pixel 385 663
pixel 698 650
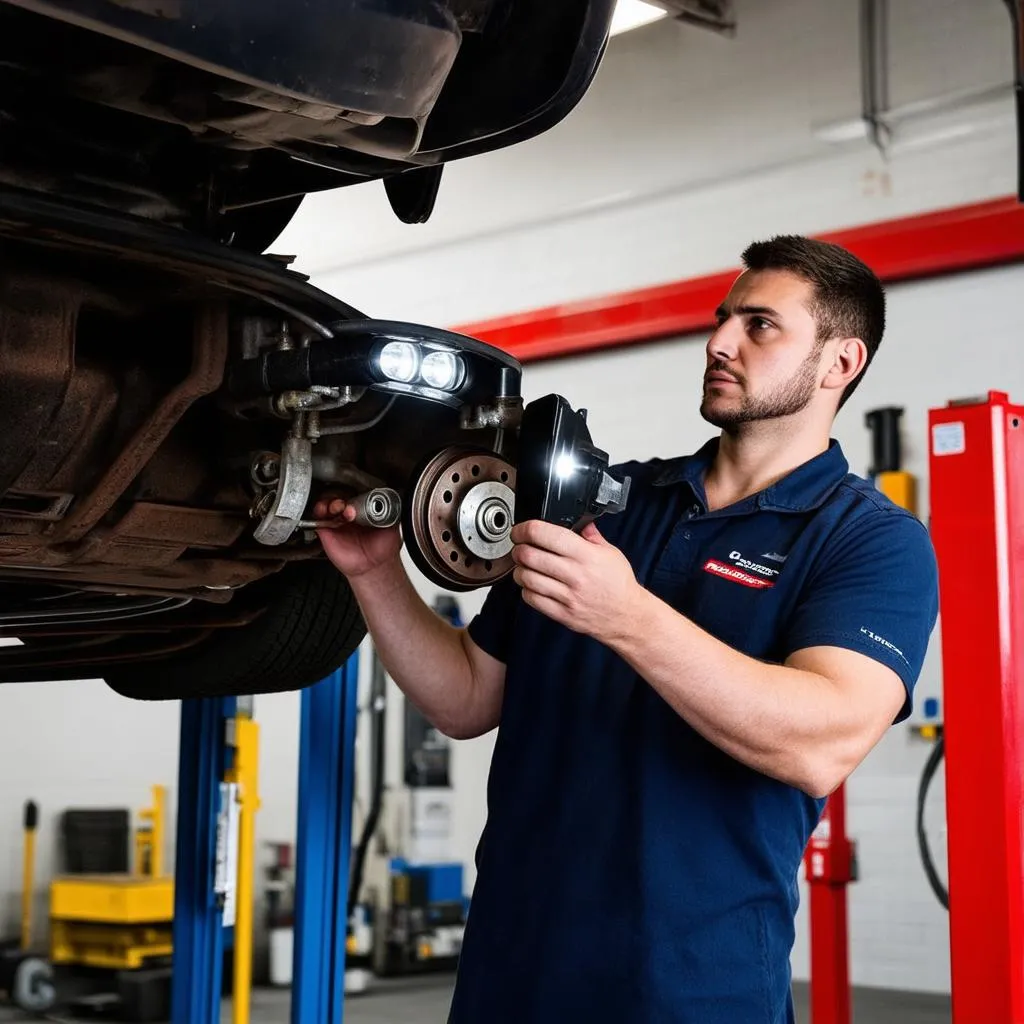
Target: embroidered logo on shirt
pixel 749 566
pixel 774 557
pixel 730 572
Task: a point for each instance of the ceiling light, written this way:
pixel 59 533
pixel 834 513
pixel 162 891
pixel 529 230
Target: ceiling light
pixel 10 641
pixel 630 14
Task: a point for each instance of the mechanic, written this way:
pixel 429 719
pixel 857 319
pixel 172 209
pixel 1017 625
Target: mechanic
pixel 678 688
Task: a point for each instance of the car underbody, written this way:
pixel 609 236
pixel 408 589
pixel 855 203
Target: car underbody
pixel 132 473
pixel 172 401
pixel 219 117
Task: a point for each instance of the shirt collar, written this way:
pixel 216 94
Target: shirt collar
pixel 801 490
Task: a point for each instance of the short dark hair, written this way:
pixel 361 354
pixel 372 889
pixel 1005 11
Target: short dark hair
pixel 849 301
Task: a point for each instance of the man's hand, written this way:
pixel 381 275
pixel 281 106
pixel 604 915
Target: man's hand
pixel 578 580
pixel 354 550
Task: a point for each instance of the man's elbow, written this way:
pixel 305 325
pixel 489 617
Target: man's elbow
pixel 820 787
pixel 456 720
pixel 462 728
pixel 467 720
pixel 823 772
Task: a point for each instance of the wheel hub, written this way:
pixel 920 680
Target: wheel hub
pixel 485 520
pixel 461 516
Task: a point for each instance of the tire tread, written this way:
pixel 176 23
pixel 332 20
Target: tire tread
pixel 309 629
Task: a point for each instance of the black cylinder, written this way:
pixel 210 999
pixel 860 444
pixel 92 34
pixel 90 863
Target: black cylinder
pixel 31 816
pixel 886 454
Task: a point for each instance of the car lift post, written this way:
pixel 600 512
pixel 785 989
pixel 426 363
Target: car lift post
pixel 203 754
pixel 829 863
pixel 213 889
pixel 977 522
pixel 218 751
pixel 323 845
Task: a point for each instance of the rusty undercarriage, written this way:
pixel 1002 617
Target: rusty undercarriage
pixel 133 475
pixel 171 403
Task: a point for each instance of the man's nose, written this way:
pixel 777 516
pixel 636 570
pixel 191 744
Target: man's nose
pixel 723 343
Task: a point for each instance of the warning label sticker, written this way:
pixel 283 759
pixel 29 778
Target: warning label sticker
pixel 948 439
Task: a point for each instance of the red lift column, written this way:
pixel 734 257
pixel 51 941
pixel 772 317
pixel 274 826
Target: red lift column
pixel 977 524
pixel 828 861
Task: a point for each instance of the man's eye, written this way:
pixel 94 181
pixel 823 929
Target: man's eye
pixel 758 323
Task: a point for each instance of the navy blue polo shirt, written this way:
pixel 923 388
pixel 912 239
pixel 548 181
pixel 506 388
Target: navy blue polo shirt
pixel 629 869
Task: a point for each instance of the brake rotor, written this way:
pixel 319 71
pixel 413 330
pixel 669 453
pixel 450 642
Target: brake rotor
pixel 459 518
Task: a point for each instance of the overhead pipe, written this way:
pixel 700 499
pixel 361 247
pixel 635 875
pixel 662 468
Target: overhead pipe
pixel 874 70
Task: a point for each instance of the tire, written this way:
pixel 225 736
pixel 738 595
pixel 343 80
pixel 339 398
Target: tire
pixel 311 626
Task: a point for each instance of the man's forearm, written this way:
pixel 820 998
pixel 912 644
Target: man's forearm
pixel 791 724
pixel 424 654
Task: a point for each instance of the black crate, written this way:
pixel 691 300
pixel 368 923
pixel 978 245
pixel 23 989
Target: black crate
pixel 96 842
pixel 145 995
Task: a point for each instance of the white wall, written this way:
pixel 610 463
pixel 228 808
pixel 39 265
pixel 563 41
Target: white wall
pixel 687 147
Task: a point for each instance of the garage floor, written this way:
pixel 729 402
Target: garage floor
pixel 425 1001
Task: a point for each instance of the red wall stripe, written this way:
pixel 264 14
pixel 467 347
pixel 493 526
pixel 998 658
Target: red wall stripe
pixel 946 241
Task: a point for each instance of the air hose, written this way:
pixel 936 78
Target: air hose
pixel 930 768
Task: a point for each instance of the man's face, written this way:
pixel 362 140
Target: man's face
pixel 763 359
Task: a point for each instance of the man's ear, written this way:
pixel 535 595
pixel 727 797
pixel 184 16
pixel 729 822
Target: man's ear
pixel 849 357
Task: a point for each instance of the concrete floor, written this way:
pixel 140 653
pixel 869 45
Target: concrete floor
pixel 880 1006
pixel 425 1001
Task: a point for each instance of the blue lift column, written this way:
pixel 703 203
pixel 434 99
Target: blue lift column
pixel 323 845
pixel 203 753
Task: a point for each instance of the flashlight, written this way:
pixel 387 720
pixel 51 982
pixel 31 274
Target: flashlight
pixel 562 477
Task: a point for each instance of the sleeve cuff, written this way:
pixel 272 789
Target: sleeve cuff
pixel 491 629
pixel 484 637
pixel 871 647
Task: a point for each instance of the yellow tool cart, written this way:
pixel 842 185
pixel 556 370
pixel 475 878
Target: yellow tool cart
pixel 112 914
pixel 117 921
